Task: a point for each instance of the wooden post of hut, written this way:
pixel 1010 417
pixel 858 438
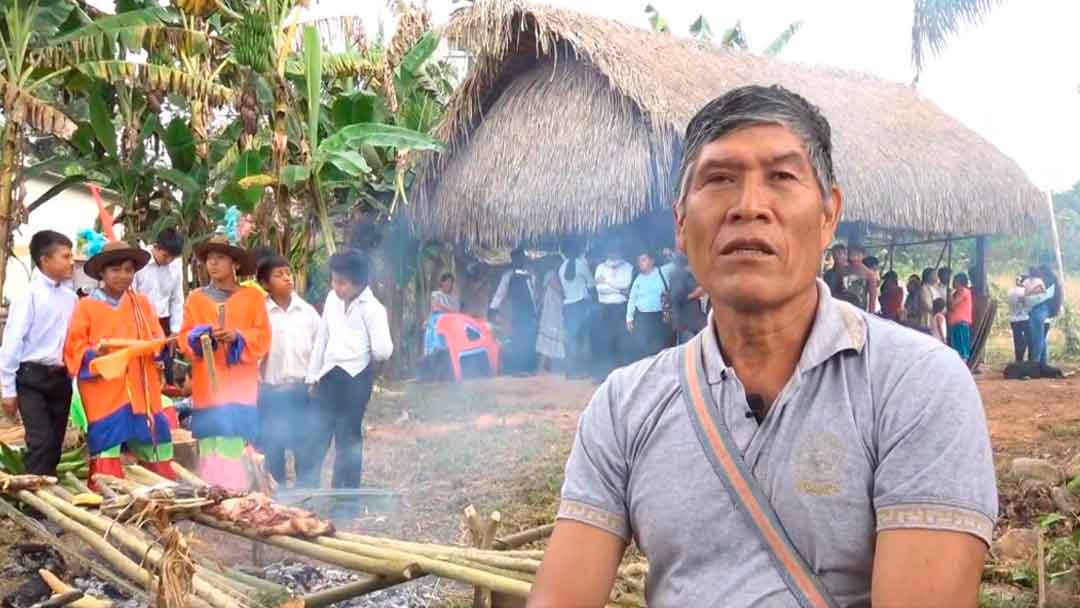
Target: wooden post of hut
pixel 979 275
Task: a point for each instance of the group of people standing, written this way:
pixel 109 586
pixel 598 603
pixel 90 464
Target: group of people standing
pixel 1034 300
pixel 266 370
pixel 591 318
pixel 927 303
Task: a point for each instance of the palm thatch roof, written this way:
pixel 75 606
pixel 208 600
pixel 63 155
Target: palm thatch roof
pixel 568 123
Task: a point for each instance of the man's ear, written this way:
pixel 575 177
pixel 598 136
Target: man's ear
pixel 679 212
pixel 833 206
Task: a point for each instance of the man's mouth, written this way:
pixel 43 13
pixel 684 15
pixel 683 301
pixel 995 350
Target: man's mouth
pixel 747 248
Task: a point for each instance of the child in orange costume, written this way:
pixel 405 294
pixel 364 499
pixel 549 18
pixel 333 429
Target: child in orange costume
pixel 125 410
pixel 234 317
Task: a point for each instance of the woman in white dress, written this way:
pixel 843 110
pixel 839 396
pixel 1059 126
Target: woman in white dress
pixel 550 339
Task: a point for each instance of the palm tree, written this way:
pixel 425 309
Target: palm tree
pixel 734 37
pixel 936 21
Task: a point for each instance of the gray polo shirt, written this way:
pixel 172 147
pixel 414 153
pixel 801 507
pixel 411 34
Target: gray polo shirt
pixel 879 428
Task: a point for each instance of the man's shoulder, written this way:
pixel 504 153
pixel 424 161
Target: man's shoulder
pixel 894 353
pixel 636 392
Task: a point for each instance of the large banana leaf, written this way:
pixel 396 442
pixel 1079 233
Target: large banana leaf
pixel 358 107
pixel 313 73
pixel 101 121
pixel 157 77
pixel 180 144
pixel 420 52
pixel 378 135
pixel 142 29
pixel 23 107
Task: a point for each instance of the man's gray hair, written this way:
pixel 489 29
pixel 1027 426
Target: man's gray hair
pixel 757 105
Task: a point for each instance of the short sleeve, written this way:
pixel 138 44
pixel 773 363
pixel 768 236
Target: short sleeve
pixel 935 464
pixel 594 491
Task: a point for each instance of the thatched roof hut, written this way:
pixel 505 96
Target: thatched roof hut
pixel 568 123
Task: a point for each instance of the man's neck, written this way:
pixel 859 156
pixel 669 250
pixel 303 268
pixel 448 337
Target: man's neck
pixel 50 277
pixel 225 285
pixel 116 295
pixel 283 301
pixel 765 347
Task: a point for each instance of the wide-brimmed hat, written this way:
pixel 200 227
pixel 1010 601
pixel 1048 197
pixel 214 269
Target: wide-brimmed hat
pixel 114 252
pixel 219 243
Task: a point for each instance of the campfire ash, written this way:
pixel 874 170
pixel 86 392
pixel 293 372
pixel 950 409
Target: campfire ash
pixel 24 561
pixel 302 578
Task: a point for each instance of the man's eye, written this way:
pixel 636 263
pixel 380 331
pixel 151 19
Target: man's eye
pixel 783 176
pixel 719 178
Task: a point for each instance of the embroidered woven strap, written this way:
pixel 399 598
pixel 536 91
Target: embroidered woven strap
pixel 727 461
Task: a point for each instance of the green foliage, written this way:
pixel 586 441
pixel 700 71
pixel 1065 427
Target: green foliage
pixel 313 74
pixel 937 21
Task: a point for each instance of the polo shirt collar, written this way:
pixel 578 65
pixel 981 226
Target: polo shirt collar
pixel 838 327
pixel 294 304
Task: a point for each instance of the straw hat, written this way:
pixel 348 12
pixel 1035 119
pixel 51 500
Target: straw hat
pixel 219 243
pixel 116 251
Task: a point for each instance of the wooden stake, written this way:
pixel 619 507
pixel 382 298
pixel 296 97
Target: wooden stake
pixel 1041 567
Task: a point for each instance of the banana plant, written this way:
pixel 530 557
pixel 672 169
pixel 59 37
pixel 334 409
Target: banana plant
pixel 26 24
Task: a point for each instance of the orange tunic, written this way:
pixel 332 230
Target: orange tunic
pixel 117 410
pixel 230 410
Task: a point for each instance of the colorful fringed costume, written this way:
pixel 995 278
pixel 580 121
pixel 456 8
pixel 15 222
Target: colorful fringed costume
pixel 225 415
pixel 126 409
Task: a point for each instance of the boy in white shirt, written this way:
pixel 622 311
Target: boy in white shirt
pixel 33 378
pixel 354 335
pixel 162 282
pixel 284 411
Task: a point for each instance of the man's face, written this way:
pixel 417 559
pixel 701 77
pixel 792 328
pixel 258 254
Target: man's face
pixel 344 288
pixel 280 283
pixel 59 264
pixel 447 286
pixel 645 263
pixel 840 257
pixel 118 277
pixel 855 256
pixel 220 267
pixel 162 257
pixel 753 223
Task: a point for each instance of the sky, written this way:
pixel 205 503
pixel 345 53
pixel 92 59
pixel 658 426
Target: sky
pixel 1014 79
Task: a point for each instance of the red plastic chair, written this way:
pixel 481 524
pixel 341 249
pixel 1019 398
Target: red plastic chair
pixel 465 335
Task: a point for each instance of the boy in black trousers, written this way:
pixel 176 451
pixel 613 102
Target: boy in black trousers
pixel 33 378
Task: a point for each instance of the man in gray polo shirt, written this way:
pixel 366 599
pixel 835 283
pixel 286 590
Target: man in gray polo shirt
pixel 868 439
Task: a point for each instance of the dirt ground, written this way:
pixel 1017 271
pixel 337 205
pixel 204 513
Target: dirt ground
pixel 500 444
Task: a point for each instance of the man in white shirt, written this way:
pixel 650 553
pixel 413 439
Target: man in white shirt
pixel 611 343
pixel 284 412
pixel 162 282
pixel 33 378
pixel 1018 318
pixel 354 334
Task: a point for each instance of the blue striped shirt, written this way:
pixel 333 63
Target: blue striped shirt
pixel 646 294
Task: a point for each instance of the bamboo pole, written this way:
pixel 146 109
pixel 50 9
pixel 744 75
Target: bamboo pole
pixel 152 554
pixel 487 558
pixel 465 574
pixel 524 537
pixel 185 475
pixel 421 547
pixel 140 541
pixel 394 568
pixel 329 597
pixel 111 554
pixel 378 552
pixel 259 584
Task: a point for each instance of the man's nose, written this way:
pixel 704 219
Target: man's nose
pixel 753 202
